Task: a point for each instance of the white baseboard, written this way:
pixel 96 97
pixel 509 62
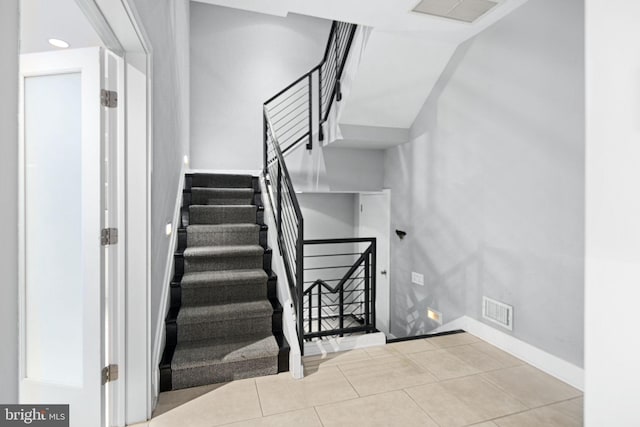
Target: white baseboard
pixel 159 340
pixel 546 362
pixel 351 342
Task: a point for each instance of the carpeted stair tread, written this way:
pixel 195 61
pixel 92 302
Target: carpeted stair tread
pixel 203 279
pixel 225 312
pixel 223 329
pixel 222 214
pixel 225 286
pixel 195 354
pixel 221 196
pixel 218 258
pixel 223 251
pixel 221 180
pixel 223 234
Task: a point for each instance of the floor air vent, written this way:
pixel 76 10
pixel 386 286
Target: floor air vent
pixel 497 312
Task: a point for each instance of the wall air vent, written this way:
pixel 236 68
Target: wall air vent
pixel 497 312
pixel 460 10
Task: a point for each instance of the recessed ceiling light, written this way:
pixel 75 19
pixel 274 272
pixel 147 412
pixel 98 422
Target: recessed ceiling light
pixel 58 43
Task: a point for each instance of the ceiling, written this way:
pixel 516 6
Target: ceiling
pixel 405 52
pixel 388 15
pixel 41 20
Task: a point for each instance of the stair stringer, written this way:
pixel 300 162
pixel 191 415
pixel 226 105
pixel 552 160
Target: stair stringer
pixel 283 291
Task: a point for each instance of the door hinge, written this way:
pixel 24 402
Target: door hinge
pixel 108 98
pixel 109 236
pixel 109 373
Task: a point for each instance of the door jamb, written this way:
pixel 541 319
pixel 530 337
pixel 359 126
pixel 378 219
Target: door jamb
pixel 106 18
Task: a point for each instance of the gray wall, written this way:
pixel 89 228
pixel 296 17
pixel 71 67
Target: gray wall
pixel 341 174
pixel 328 216
pixel 239 60
pixel 491 186
pixel 167 26
pixel 9 200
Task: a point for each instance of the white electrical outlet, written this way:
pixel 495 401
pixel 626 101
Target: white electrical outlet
pixel 417 278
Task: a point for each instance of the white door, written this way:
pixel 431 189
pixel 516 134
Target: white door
pixel 61 281
pixel 375 221
pixel 113 219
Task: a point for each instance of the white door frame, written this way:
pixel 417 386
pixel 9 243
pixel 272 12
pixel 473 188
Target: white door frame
pixel 383 273
pixel 119 26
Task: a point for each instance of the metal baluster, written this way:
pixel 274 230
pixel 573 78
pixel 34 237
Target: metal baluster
pixel 367 284
pixel 319 308
pixel 373 284
pixel 337 88
pixel 341 308
pixel 310 141
pixel 279 203
pixel 264 143
pixel 300 281
pixel 310 311
pixel 320 130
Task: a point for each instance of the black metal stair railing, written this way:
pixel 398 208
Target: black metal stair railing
pixel 291 111
pixel 340 287
pixel 331 68
pixel 288 216
pixel 290 118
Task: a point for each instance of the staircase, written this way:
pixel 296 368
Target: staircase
pixel 225 321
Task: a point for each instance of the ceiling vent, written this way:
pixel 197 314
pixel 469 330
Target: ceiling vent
pixel 460 10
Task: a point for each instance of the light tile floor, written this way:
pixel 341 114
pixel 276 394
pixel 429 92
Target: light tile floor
pixel 451 380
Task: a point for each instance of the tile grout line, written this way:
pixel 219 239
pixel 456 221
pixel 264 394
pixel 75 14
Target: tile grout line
pixel 504 390
pixel 347 379
pixel 446 379
pixel 315 409
pixel 392 390
pixel 420 407
pixel 255 385
pixel 486 354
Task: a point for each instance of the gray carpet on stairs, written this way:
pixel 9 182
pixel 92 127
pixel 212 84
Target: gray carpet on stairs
pixel 223 235
pixel 225 319
pixel 221 196
pixel 222 214
pixel 218 258
pixel 220 287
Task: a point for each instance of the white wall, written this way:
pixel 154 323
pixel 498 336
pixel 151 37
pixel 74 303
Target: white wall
pixel 166 24
pixel 343 176
pixel 9 200
pixel 328 215
pixel 238 61
pixel 491 187
pixel 612 213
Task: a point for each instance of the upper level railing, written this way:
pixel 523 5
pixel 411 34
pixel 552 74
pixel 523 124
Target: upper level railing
pixel 291 111
pixel 288 121
pixel 339 287
pixel 331 68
